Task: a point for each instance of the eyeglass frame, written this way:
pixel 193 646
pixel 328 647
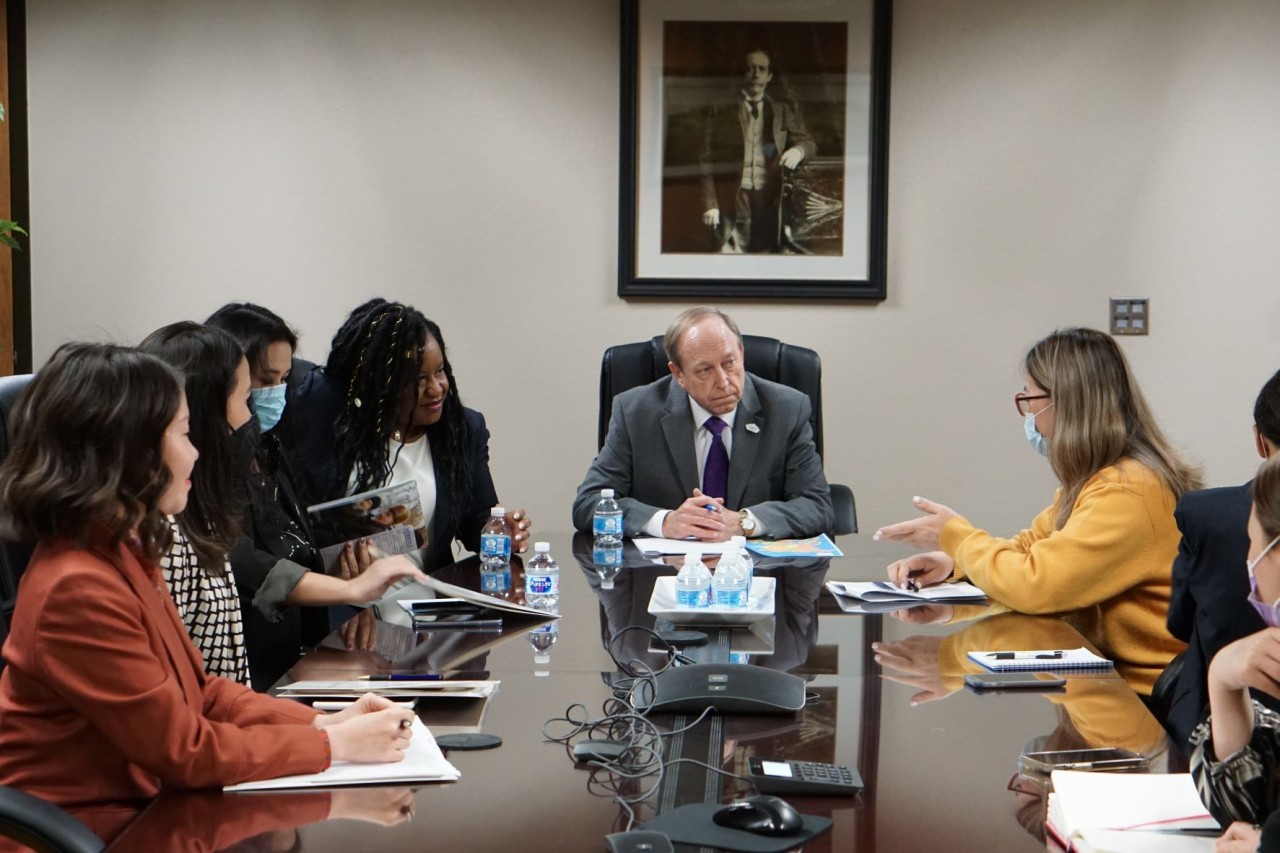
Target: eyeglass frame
pixel 1021 398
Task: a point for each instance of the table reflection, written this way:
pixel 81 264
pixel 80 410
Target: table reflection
pixel 1095 710
pixel 200 821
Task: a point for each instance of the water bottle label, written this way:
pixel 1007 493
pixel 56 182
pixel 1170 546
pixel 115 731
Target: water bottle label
pixel 607 525
pixel 607 556
pixel 687 599
pixel 495 545
pixel 495 581
pixel 731 598
pixel 541 585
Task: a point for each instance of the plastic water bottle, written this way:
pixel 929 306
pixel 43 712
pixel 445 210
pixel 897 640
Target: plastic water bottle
pixel 495 554
pixel 607 522
pixel 693 583
pixel 747 559
pixel 729 586
pixel 542 579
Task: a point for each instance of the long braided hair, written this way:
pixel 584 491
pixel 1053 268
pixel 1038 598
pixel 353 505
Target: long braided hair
pixel 374 360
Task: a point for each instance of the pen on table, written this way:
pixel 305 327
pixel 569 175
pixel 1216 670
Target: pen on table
pixel 1193 831
pixel 330 705
pixel 1053 655
pixel 401 677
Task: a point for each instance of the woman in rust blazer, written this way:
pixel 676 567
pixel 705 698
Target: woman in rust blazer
pixel 103 697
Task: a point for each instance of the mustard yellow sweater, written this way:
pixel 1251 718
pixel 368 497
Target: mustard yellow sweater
pixel 1107 570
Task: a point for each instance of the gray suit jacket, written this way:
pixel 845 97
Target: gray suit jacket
pixel 648 459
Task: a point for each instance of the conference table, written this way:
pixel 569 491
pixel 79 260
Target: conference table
pixel 940 762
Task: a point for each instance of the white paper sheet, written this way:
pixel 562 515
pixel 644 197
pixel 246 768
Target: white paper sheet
pixel 650 546
pixel 423 762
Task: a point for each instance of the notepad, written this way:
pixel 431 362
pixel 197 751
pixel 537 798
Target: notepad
pixel 1039 659
pixel 423 762
pixel 1126 811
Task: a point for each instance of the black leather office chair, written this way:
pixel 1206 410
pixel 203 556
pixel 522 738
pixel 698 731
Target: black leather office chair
pixel 43 826
pixel 13 556
pixel 631 365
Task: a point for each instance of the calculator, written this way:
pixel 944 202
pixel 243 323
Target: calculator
pixel 806 778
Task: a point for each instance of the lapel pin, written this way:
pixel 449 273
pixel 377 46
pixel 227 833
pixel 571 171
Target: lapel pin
pixel 753 428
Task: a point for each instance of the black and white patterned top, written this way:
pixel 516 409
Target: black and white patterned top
pixel 209 607
pixel 1243 786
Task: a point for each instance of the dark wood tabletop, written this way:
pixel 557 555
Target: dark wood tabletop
pixel 936 758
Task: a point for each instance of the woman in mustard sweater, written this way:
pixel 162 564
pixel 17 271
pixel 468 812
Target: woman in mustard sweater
pixel 1103 551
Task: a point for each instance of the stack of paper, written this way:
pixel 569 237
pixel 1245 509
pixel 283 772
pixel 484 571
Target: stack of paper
pixel 817 546
pixel 655 547
pixel 877 596
pixel 309 691
pixel 1127 812
pixel 423 762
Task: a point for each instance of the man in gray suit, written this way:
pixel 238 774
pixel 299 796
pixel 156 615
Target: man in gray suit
pixel 710 452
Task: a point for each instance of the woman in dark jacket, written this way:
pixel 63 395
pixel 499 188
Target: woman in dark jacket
pixel 385 409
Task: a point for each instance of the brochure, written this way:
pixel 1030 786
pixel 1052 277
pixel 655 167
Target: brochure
pixel 390 519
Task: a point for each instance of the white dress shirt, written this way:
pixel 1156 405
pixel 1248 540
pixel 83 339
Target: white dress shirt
pixel 701 447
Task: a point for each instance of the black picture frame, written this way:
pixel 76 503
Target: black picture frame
pixel 654 258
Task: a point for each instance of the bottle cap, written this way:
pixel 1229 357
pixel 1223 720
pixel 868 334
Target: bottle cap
pixel 541 547
pixel 497 512
pixel 542 658
pixel 606 493
pixel 606 584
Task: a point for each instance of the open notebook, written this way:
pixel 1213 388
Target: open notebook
pixel 1127 812
pixel 423 762
pixel 882 595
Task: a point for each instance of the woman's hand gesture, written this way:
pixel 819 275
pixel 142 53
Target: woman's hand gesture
pixel 924 532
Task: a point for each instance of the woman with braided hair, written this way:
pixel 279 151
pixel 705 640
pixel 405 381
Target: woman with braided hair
pixel 385 409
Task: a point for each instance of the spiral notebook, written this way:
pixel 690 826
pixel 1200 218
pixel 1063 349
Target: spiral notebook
pixel 1040 660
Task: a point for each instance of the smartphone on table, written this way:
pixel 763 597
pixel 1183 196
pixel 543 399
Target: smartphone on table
pixel 999 682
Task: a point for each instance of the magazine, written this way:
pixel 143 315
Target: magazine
pixel 390 519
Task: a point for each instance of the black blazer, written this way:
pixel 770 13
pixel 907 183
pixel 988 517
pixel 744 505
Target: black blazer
pixel 1208 608
pixel 316 406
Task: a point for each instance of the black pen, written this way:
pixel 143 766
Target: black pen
pixel 401 677
pixel 1193 831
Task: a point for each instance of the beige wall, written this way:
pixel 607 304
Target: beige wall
pixel 462 156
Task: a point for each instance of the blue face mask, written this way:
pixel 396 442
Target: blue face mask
pixel 267 404
pixel 1034 438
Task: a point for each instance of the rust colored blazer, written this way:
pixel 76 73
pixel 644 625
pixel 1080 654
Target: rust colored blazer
pixel 105 699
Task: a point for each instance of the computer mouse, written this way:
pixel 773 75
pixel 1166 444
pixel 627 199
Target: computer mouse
pixel 761 814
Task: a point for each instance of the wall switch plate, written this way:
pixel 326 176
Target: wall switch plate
pixel 1130 316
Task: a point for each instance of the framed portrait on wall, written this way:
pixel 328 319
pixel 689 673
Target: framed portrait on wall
pixel 754 146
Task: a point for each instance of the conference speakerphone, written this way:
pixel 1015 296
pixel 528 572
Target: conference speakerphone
pixel 728 688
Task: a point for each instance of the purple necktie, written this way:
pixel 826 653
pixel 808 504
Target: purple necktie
pixel 715 476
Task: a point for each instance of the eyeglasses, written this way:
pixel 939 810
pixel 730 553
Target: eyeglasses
pixel 1021 399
